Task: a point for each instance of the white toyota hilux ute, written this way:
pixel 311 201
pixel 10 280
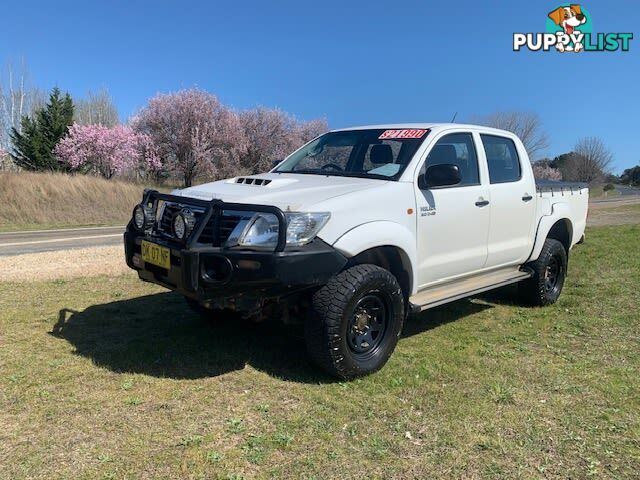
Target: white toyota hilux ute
pixel 360 227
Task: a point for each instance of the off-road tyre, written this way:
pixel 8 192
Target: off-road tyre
pixel 355 322
pixel 549 273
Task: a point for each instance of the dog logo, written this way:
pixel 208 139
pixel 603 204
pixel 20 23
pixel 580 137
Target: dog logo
pixel 569 29
pixel 569 19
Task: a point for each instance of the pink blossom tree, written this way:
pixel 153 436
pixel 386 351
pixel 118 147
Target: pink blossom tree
pixel 194 133
pixel 306 131
pixel 107 151
pixel 272 134
pixel 545 172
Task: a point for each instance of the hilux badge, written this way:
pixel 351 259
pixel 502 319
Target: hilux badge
pixel 427 211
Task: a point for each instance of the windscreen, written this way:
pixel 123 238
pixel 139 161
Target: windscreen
pixel 371 153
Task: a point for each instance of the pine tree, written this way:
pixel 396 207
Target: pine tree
pixel 33 145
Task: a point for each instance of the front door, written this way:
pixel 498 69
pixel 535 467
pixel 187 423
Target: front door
pixel 453 222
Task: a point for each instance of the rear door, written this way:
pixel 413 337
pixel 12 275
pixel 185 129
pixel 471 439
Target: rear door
pixel 452 222
pixel 513 206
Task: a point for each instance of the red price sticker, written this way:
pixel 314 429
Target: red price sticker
pixel 403 134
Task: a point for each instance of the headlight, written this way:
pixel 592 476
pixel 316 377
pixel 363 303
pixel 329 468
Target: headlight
pixel 303 227
pixel 182 224
pixel 142 217
pixel 262 230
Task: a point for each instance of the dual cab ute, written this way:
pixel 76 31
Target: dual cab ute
pixel 360 227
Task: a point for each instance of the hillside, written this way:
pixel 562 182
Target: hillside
pixel 45 200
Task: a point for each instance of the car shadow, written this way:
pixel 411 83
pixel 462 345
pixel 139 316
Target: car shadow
pixel 437 316
pixel 159 335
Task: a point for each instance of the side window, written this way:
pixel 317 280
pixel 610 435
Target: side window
pixel 502 159
pixel 458 149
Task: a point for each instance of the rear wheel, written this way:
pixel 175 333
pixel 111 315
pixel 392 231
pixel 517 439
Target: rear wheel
pixel 357 319
pixel 549 272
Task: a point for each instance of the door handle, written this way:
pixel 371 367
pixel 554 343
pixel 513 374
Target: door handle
pixel 526 197
pixel 482 203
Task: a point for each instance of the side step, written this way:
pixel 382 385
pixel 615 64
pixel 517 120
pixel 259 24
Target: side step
pixel 461 288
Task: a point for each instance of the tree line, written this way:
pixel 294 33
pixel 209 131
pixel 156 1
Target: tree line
pixel 589 161
pixel 182 135
pixel 189 134
pixel 178 136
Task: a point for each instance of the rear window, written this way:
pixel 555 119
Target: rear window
pixel 502 159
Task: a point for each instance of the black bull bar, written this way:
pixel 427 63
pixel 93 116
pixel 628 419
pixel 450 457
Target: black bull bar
pixel 213 213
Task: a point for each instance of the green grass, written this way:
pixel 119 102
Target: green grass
pixel 113 378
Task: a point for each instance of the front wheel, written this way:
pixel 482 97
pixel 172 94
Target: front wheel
pixel 356 322
pixel 549 272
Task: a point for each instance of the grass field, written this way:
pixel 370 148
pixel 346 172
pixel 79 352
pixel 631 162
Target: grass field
pixel 615 212
pixel 113 378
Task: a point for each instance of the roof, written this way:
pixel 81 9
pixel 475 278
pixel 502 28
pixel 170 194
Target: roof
pixel 431 126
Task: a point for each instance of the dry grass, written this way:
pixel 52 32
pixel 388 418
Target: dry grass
pixel 66 264
pixel 36 200
pixel 110 377
pixel 621 211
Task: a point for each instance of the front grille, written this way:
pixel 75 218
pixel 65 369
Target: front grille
pixel 170 209
pixel 227 222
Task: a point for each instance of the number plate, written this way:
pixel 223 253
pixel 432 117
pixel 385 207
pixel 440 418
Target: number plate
pixel 156 254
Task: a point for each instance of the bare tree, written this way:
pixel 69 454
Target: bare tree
pixel 97 109
pixel 526 125
pixel 5 160
pixel 18 98
pixel 589 162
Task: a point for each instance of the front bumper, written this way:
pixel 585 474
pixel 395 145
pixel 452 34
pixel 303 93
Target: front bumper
pixel 207 273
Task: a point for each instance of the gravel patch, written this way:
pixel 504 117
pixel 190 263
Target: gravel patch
pixel 82 262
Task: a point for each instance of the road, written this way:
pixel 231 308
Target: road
pixel 16 243
pixel 624 193
pixel 626 190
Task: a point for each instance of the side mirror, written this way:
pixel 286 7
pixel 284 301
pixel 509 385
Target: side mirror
pixel 442 175
pixel 275 163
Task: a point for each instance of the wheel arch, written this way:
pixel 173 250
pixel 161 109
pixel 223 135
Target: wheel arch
pixel 557 227
pixel 562 231
pixel 391 258
pixel 386 244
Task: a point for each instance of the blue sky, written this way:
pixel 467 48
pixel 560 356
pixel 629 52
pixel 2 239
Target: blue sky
pixel 353 62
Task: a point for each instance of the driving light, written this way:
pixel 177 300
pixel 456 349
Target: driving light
pixel 262 229
pixel 143 217
pixel 183 223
